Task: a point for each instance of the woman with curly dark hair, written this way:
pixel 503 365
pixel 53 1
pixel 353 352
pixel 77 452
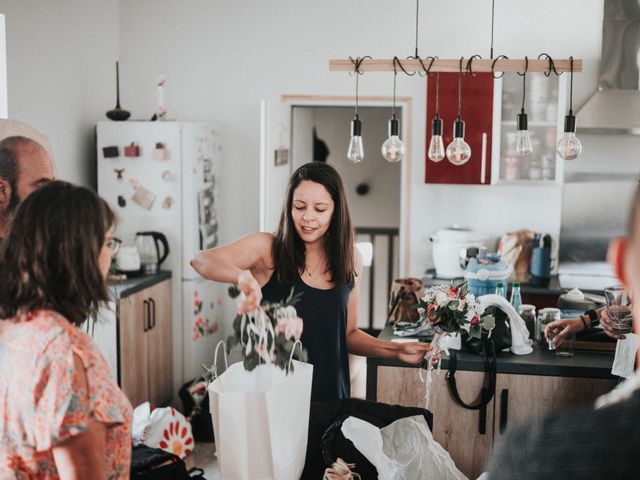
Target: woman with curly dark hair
pixel 61 415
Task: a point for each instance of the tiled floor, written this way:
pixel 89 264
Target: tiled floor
pixel 203 457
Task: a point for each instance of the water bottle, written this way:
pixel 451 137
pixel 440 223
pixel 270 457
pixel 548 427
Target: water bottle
pixel 516 298
pixel 500 289
pixel 540 271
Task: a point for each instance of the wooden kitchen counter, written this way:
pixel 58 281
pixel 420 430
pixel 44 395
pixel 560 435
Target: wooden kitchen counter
pixel 526 386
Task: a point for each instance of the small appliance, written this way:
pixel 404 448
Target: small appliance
pixel 128 259
pixel 151 254
pixel 447 246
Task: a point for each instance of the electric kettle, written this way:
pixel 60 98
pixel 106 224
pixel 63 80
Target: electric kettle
pixel 151 254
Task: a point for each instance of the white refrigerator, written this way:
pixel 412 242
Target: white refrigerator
pixel 170 184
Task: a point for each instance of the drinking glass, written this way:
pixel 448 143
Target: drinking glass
pixel 619 308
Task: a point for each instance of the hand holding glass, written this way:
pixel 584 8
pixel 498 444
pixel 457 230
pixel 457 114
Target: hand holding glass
pixel 619 309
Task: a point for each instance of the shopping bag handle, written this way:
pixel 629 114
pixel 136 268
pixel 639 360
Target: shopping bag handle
pixel 215 358
pixel 297 343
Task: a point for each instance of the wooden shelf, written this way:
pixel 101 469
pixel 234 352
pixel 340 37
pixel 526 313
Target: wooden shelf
pixel 453 65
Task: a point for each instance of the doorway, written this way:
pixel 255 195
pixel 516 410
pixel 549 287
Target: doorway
pixel 373 189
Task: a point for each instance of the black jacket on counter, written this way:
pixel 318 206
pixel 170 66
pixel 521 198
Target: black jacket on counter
pixel 585 443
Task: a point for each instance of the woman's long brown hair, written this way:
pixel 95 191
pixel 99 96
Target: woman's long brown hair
pixel 50 258
pixel 288 247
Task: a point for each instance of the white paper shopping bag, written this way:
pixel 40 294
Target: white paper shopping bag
pixel 261 420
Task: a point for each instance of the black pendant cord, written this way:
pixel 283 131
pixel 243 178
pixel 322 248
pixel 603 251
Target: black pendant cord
pixel 460 90
pixel 571 87
pixel 357 76
pixel 524 81
pixel 437 94
pixel 417 10
pixel 356 71
pixel 493 9
pixel 393 107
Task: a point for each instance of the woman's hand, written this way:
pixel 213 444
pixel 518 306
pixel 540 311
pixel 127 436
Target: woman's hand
pixel 413 352
pixel 559 329
pixel 252 292
pixel 605 321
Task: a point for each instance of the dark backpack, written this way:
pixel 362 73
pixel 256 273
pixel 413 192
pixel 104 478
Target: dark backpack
pixel 156 464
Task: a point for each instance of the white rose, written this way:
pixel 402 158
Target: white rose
pixel 441 298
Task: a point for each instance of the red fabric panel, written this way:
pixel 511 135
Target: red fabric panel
pixel 477 113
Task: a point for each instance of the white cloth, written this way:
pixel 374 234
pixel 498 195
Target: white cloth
pixel 520 341
pixel 403 450
pixel 622 392
pixel 625 356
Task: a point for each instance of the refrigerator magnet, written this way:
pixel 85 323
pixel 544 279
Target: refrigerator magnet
pixel 132 150
pixel 168 176
pixel 160 152
pixel 119 172
pixel 110 152
pixel 167 202
pixel 143 197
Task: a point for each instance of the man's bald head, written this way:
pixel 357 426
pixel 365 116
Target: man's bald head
pixel 24 165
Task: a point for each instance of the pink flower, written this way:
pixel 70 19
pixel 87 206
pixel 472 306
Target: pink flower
pixel 453 292
pixel 475 320
pixel 290 326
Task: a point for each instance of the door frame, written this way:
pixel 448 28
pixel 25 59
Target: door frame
pixel 406 103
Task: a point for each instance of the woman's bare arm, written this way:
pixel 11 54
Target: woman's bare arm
pixel 246 262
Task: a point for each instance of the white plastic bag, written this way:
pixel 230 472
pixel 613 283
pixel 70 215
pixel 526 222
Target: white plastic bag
pixel 164 428
pixel 261 420
pixel 403 450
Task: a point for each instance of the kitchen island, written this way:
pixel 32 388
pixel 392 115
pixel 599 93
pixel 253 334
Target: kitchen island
pixel 526 386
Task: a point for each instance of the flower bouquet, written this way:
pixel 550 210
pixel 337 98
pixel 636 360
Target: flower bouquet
pixel 450 310
pixel 268 334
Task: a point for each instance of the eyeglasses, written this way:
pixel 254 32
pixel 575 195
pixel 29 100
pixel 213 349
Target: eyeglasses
pixel 113 244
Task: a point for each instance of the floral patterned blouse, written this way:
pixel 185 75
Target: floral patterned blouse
pixel 43 402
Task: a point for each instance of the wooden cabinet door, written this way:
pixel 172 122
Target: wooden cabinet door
pixel 523 396
pixel 454 427
pixel 133 325
pixel 159 344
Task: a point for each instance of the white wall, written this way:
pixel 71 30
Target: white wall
pixel 221 58
pixel 3 70
pixel 61 74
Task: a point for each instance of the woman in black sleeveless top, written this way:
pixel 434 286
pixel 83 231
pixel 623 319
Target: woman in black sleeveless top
pixel 313 252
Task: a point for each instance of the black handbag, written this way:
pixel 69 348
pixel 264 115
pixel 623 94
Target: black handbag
pixel 486 346
pixel 149 463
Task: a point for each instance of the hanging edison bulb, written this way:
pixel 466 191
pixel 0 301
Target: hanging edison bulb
pixel 458 151
pixel 436 145
pixel 393 149
pixel 355 153
pixel 569 146
pixel 524 147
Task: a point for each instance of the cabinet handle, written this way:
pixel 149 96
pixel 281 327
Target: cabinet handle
pixel 153 314
pixel 145 316
pixel 504 409
pixel 482 414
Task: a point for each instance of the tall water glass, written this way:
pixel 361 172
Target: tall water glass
pixel 619 308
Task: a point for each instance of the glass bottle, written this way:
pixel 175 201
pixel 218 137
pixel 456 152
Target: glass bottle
pixel 500 289
pixel 528 314
pixel 516 298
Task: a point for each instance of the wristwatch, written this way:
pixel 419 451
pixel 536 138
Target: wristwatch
pixel 593 315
